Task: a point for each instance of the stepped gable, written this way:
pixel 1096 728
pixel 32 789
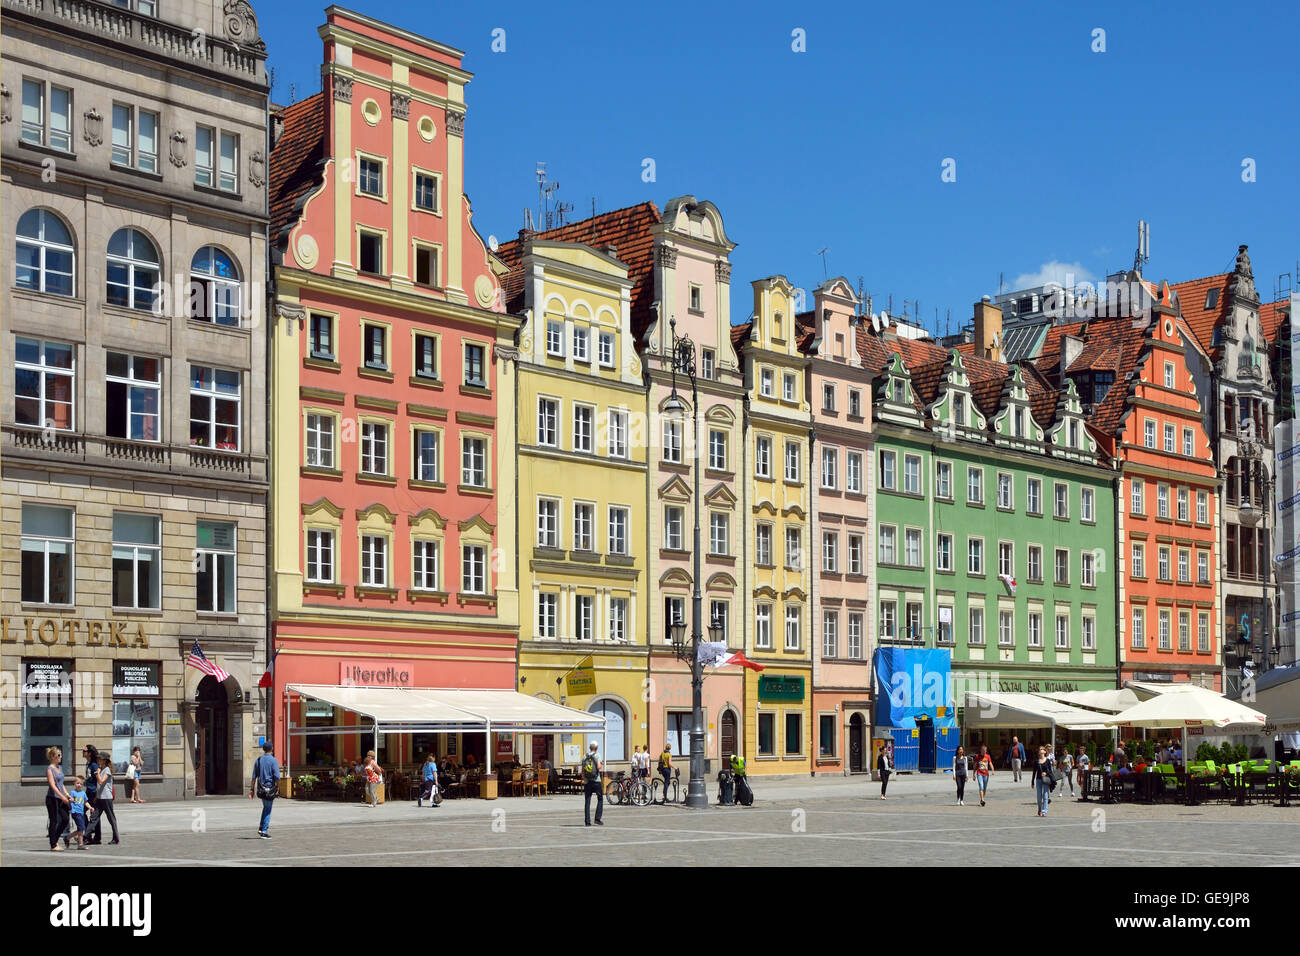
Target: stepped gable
pixel 295 168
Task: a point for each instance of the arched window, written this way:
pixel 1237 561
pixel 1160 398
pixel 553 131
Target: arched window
pixel 615 747
pixel 133 270
pixel 44 255
pixel 214 287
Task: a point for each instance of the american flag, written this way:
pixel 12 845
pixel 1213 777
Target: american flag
pixel 196 659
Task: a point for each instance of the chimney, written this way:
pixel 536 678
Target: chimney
pixel 988 330
pixel 610 250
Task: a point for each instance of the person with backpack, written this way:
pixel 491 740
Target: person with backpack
pixel 666 767
pixel 591 768
pixel 265 784
pixel 1043 780
pixel 983 770
pixel 959 771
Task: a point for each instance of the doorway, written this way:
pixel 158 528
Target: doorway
pixel 926 759
pixel 730 737
pixel 212 720
pixel 857 743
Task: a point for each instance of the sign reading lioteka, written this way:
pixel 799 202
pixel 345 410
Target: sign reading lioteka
pixel 68 630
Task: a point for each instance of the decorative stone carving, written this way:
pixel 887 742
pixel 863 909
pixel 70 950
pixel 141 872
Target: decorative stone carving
pixel 285 311
pixel 722 270
pixel 507 353
pixel 342 86
pixel 307 252
pixel 1242 284
pixel 6 104
pixel 666 256
pixel 92 127
pixel 484 291
pixel 178 152
pixel 257 169
pixel 241 24
pixel 401 106
pixel 455 123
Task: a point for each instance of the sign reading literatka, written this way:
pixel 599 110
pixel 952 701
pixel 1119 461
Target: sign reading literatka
pixel 374 674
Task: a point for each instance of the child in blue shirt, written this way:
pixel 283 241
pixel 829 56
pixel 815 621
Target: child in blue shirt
pixel 78 808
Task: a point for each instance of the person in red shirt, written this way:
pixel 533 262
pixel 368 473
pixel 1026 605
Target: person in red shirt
pixel 983 770
pixel 374 777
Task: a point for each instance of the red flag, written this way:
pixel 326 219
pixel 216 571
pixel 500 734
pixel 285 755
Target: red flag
pixel 743 661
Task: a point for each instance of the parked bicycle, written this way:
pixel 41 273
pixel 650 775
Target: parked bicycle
pixel 625 789
pixel 673 792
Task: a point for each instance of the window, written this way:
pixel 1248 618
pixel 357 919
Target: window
pixel 830 552
pixel 1062 632
pixel 855 637
pixel 44 379
pixel 320 442
pixel 826 732
pixel 1184 513
pixel 976 626
pixel 320 556
pixel 1006 629
pixel 204 166
pixel 617 434
pixel 1169 375
pixel 547 523
pixel 945 626
pixel 855 403
pixel 1089 633
pixel 473 570
pixel 959 409
pixel 1035 629
pixel 1062 565
pixel 707 362
pixel 584 418
pixel 696 302
pixel 427 269
pixel 672 440
pixel 914 629
pixel 1162 564
pixel 853 473
pixel 788 387
pixel 975 486
pixel 828 397
pixel 1007 558
pixel 48 544
pixel 1149 433
pixel 887 466
pixel 911 474
pixel 370 177
pixel 763 545
pixel 888 620
pixel 214 287
pixel 374 448
pixel 1162 501
pixel 793 733
pixel 1189 443
pixel 943 480
pixel 762 457
pixel 1139 562
pixel 830 634
pixel 1164 635
pixel 548 422
pixel 830 468
pixel 673 522
pixel 214 560
pixel 133 270
pixel 794 549
pixel 137 561
pixel 674 610
pixel 425 456
pixel 1139 627
pixel 618 619
pixel 763 627
pixel 581 339
pixel 374 343
pixel 1202 507
pixel 44 254
pixel 765 383
pixel 547 614
pixel 792 633
pixel 717 450
pixel 912 547
pixel 426 356
pixel 1086 505
pixel 1202 567
pixel 475 370
pixel 1169 439
pixel 1184 566
pixel 135 138
pixel 473 461
pixel 214 408
pixel 719 534
pixel 1184 630
pixel 1137 493
pixel 855 553
pixel 136 711
pixel 371 259
pixel 1086 564
pixel 792 463
pixel 1061 499
pixel 1018 423
pixel 618 530
pixel 975 556
pixel 426 192
pixel 943 552
pixel 605 349
pixel 1006 498
pixel 322 337
pixel 888 553
pixel 1035 564
pixel 228 169
pixel 47 120
pixel 767 735
pixel 584 617
pixel 1203 632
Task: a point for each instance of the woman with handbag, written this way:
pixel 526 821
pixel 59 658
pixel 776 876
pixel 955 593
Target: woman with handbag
pixel 1043 780
pixel 959 770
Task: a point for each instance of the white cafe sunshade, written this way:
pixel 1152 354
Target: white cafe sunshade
pixel 1107 701
pixel 1169 711
pixel 1012 710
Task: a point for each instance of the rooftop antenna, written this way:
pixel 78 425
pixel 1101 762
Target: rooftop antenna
pixel 822 252
pixel 1143 253
pixel 549 215
pixel 1001 284
pixel 293 93
pixel 860 288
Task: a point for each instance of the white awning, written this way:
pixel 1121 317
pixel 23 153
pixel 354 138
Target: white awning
pixel 1106 701
pixel 1145 690
pixel 1009 710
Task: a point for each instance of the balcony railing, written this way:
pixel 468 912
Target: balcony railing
pixel 48 445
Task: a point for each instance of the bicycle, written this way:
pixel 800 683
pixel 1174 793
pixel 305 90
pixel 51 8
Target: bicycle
pixel 661 792
pixel 624 789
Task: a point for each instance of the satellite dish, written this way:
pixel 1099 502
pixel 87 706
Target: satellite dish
pixel 492 243
pixel 884 318
pixel 875 322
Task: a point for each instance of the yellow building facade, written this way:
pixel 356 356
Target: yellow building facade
pixel 581 466
pixel 780 630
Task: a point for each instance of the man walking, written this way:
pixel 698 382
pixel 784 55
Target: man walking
pixel 1017 758
pixel 266 783
pixel 591 768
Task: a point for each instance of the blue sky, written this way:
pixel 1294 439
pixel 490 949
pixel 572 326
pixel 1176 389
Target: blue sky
pixel 1059 150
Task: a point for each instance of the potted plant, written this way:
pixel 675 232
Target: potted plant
pixel 305 786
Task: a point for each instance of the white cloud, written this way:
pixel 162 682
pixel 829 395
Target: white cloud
pixel 1064 274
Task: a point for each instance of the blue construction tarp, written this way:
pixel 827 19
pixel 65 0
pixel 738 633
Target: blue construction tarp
pixel 911 682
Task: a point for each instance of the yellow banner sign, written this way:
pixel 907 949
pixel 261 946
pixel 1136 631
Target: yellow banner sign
pixel 582 679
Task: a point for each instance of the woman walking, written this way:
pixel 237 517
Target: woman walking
pixel 91 753
pixel 959 774
pixel 104 799
pixel 134 770
pixel 374 777
pixel 1066 764
pixel 1043 780
pixel 57 800
pixel 885 764
pixel 983 770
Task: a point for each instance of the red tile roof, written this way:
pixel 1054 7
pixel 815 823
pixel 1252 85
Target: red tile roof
pixel 627 229
pixel 296 162
pixel 1203 321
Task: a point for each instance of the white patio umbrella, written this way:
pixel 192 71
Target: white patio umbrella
pixel 1205 709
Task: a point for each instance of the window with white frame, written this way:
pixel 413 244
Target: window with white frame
pixel 618 529
pixel 584 427
pixel 794 549
pixel 1006 629
pixel 44 254
pixel 424 455
pixel 1162 564
pixel 48 545
pixel 855 642
pixel 134 268
pixel 548 523
pixel 674 611
pixel 618 619
pixel 1087 507
pixel 214 564
pixel 1169 375
pixel 475 372
pixel 1089 633
pixel 943 552
pixel 548 422
pixel 1035 630
pixel 374 560
pixel 1203 632
pixel 976 633
pixel 135 138
pixel 214 287
pixel 616 437
pixel 1184 506
pixel 912 547
pixel 426 356
pixel 1034 496
pixel 888 620
pixel 1061 500
pixel 975 486
pixel 1169 438
pixel 717 450
pixel 555 338
pixel 1162 501
pixel 720 614
pixel 374 448
pixel 473 461
pixel 763 627
pixel 788 392
pixel 830 552
pixel 47 115
pixel 830 634
pixel 763 545
pixel 1184 630
pixel 605 349
pixel 1062 632
pixel 473 569
pixel 886 476
pixel 765 380
pixel 426 192
pixel 719 534
pixel 1202 567
pixel 1137 496
pixel 1139 628
pixel 673 523
pixel 581 338
pixel 584 526
pixel 1149 433
pixel 1062 566
pixel 912 474
pixel 830 468
pixel 888 553
pixel 584 617
pixel 855 553
pixel 828 397
pixel 707 363
pixel 133 396
pixel 1006 496
pixel 374 343
pixel 216 159
pixel 853 473
pixel 1086 564
pixel 1034 563
pixel 1189 443
pixel 1007 558
pixel 792 461
pixel 1202 507
pixel 1164 629
pixel 137 561
pixel 672 440
pixel 793 636
pixel 424 564
pixel 975 556
pixel 548 608
pixel 320 556
pixel 214 408
pixel 762 457
pixel 1138 562
pixel 1184 566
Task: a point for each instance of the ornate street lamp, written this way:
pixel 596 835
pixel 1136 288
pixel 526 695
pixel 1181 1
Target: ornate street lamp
pixel 682 357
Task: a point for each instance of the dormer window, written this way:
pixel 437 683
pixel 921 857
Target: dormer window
pixel 959 409
pixel 1212 298
pixel 900 391
pixel 1019 419
pixel 776 326
pixel 1074 433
